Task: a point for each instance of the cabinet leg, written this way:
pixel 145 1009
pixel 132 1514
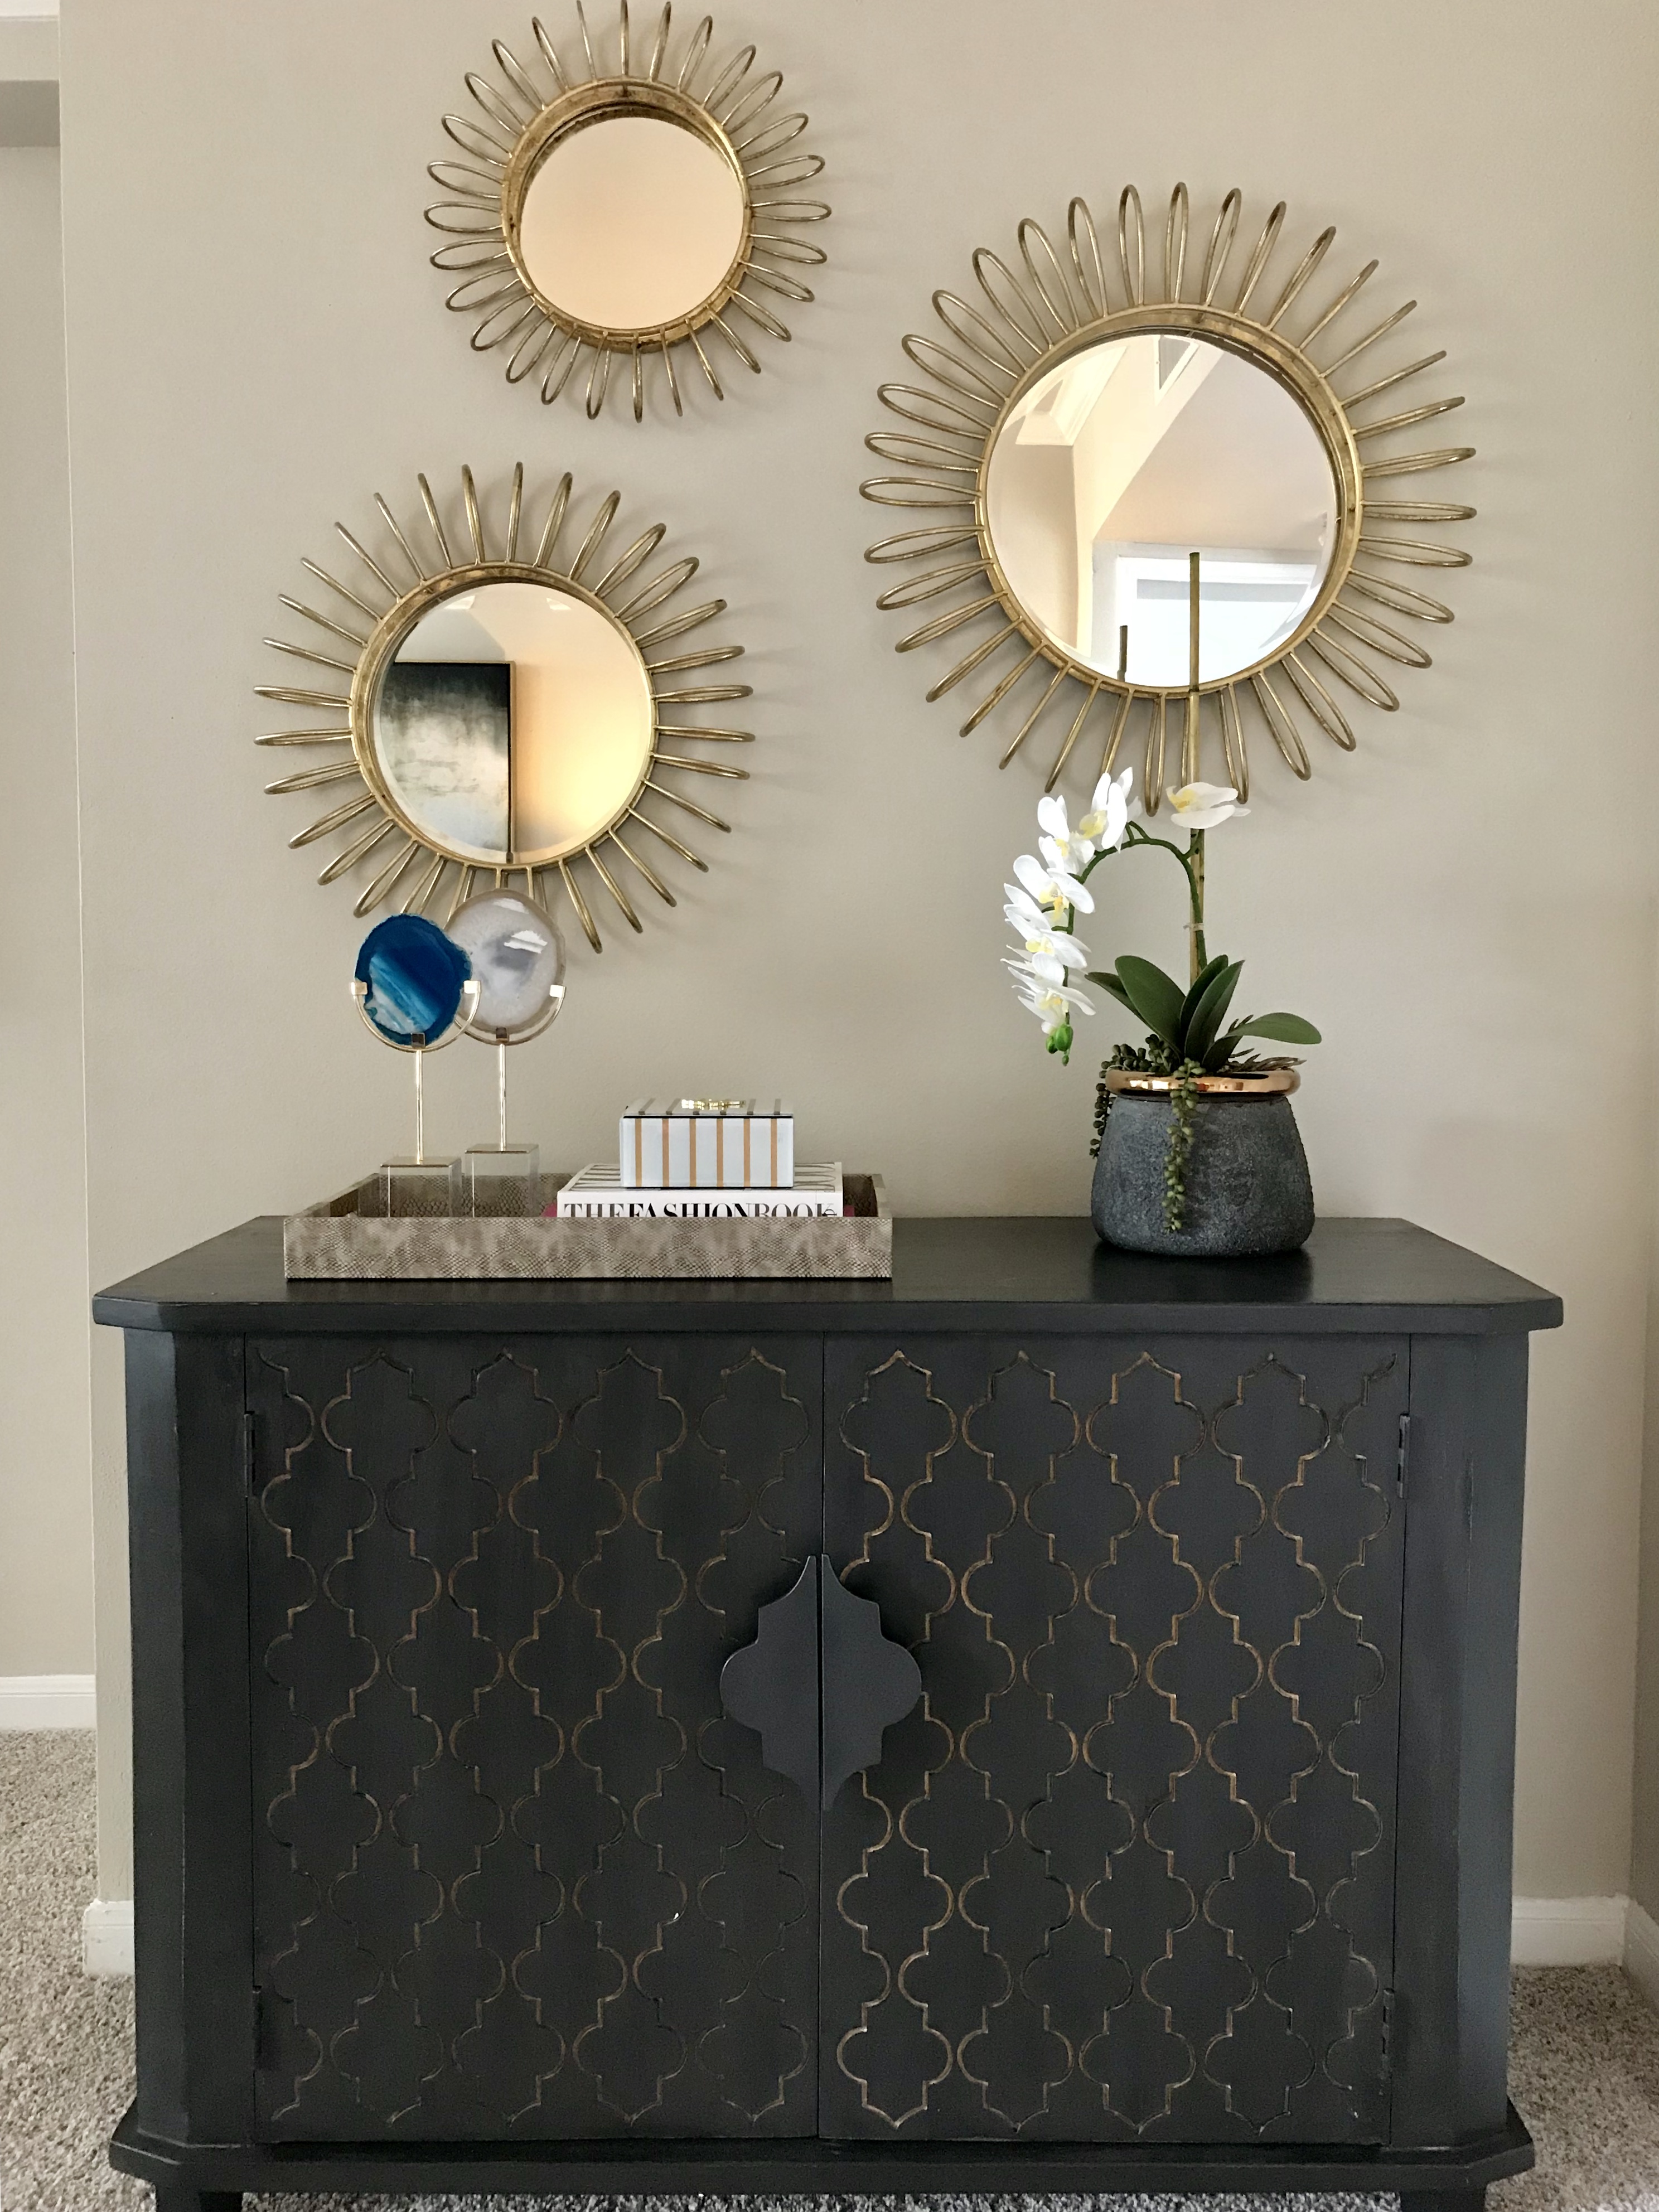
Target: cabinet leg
pixel 178 2196
pixel 1443 2200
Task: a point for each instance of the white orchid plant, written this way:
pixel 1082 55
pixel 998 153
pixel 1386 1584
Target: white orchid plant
pixel 1188 1034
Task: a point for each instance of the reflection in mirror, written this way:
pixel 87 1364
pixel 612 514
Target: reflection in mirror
pixel 1133 454
pixel 631 223
pixel 513 723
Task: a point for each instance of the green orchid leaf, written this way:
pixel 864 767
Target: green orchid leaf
pixel 1155 997
pixel 1108 983
pixel 1189 1004
pixel 1207 1017
pixel 1283 1029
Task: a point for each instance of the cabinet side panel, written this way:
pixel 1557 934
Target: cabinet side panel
pixel 1457 1737
pixel 191 1909
pixel 158 1731
pixel 218 1842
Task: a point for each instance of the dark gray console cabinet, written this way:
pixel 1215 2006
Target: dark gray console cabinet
pixel 1188 1867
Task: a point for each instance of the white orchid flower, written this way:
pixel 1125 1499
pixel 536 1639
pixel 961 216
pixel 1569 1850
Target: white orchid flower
pixel 1064 848
pixel 1053 957
pixel 1110 810
pixel 1056 945
pixel 1204 806
pixel 1031 921
pixel 1052 1003
pixel 1041 928
pixel 1052 888
pixel 1023 910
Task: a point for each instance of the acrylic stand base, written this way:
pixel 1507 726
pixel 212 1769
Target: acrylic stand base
pixel 497 1180
pixel 411 1190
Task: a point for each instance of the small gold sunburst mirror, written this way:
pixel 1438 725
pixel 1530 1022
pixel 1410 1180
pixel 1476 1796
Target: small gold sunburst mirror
pixel 1089 444
pixel 617 207
pixel 505 713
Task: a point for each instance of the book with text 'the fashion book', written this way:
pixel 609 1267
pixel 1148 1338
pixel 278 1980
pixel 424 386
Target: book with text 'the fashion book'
pixel 598 1193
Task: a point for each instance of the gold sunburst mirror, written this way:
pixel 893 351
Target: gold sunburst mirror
pixel 1084 432
pixel 505 715
pixel 614 206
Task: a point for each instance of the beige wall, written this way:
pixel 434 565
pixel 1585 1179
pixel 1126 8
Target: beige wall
pixel 1645 1837
pixel 45 1525
pixel 256 346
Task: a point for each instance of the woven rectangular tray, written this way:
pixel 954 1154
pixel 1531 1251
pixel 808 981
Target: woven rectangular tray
pixel 333 1241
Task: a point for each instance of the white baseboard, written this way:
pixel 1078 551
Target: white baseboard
pixel 47 1701
pixel 1568 1931
pixel 107 1938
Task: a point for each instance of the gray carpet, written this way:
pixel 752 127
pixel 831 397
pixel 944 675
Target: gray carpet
pixel 1585 2074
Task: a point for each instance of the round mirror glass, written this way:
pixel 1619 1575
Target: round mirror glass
pixel 513 724
pixel 630 222
pixel 1119 464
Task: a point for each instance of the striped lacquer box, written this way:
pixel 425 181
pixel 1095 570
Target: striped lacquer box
pixel 702 1144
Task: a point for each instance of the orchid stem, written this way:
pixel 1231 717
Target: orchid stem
pixel 1192 867
pixel 1193 864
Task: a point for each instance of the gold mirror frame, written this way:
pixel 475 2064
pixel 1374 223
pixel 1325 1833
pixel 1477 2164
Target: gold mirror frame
pixel 370 816
pixel 1028 325
pixel 521 126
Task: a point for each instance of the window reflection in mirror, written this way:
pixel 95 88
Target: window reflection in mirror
pixel 1127 457
pixel 631 222
pixel 513 724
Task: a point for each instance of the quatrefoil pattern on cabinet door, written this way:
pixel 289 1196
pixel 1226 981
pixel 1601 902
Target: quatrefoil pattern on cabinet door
pixel 516 1875
pixel 1127 1871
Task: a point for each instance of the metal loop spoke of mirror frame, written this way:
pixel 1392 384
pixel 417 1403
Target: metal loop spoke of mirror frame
pixel 516 121
pixel 385 592
pixel 1267 304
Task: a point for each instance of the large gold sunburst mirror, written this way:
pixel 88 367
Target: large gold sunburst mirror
pixel 505 715
pixel 616 207
pixel 1083 433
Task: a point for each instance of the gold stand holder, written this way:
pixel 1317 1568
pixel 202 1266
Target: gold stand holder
pixel 1189 736
pixel 414 1188
pixel 503 1178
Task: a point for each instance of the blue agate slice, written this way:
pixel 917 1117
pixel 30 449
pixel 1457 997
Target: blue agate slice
pixel 413 976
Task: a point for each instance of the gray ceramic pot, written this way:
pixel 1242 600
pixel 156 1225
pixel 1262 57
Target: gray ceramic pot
pixel 1248 1191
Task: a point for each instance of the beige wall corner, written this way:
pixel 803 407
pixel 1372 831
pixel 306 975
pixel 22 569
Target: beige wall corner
pixel 1644 1839
pixel 46 1529
pixel 28 79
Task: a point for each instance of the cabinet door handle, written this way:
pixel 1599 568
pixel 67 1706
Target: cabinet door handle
pixel 771 1685
pixel 820 1683
pixel 869 1682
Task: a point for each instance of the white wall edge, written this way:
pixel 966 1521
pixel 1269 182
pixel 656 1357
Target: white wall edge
pixel 1642 1951
pixel 107 1938
pixel 47 1701
pixel 28 47
pixel 1569 1931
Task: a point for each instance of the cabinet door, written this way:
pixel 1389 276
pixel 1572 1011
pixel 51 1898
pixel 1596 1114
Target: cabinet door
pixel 1128 1869
pixel 515 1875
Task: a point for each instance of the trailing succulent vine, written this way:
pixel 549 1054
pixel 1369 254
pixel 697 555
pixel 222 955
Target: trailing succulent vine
pixel 1187 1032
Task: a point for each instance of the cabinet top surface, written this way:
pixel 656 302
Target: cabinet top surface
pixel 974 1272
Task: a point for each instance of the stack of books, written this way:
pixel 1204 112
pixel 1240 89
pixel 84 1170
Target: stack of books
pixel 703 1160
